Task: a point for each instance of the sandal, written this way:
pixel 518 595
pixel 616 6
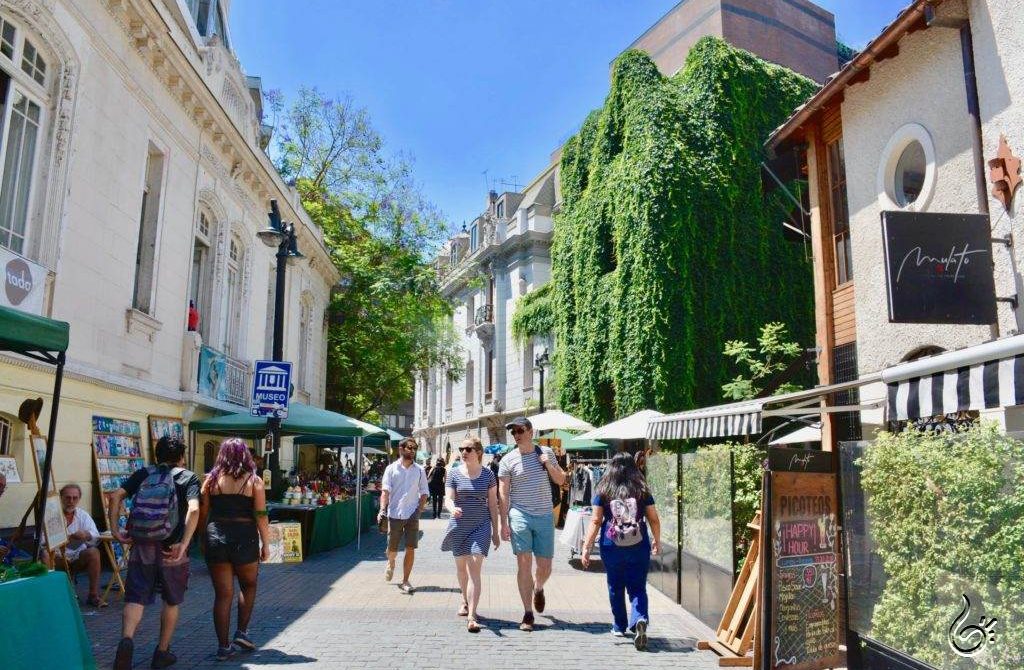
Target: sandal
pixel 464 610
pixel 473 626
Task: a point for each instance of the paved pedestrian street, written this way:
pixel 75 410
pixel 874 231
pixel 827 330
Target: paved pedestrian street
pixel 336 611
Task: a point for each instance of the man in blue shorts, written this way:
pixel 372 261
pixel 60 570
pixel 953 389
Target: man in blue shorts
pixel 527 518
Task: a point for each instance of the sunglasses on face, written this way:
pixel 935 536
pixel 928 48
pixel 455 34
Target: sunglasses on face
pixel 410 447
pixel 467 450
pixel 519 431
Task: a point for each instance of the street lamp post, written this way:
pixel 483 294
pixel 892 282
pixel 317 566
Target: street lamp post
pixel 541 361
pixel 281 235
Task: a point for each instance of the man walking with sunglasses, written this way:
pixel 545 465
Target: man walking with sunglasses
pixel 404 494
pixel 526 513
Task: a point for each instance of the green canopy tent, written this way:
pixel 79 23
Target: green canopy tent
pixel 302 420
pixel 569 442
pixel 45 340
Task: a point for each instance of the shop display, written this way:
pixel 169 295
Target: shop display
pixel 117 453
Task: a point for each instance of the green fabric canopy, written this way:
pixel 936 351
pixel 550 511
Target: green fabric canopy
pixel 332 441
pixel 24 333
pixel 572 443
pixel 302 420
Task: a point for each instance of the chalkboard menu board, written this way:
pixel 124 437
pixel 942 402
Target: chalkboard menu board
pixel 803 570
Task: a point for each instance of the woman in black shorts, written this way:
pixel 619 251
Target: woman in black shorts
pixel 233 511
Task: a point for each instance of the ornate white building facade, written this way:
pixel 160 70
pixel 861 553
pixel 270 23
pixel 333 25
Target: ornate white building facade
pixel 133 179
pixel 484 270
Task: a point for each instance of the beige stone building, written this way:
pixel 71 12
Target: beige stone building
pixel 133 179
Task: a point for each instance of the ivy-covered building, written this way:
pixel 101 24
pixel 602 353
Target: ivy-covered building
pixel 666 245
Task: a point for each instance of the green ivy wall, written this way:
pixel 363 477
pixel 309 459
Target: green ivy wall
pixel 665 246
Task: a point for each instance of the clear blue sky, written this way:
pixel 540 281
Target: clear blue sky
pixel 466 86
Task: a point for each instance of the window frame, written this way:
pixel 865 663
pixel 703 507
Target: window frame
pixel 842 260
pixel 38 94
pixel 203 292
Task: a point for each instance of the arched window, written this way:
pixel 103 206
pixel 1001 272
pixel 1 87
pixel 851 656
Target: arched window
pixel 24 97
pixel 231 305
pixel 200 290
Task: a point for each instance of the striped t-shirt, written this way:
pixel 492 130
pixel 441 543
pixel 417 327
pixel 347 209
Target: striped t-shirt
pixel 530 484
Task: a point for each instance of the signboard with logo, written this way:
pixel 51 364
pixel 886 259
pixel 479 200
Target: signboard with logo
pixel 24 283
pixel 800 559
pixel 271 385
pixel 939 268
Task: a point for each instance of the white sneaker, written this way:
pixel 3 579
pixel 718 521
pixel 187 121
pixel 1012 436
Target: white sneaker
pixel 389 572
pixel 617 633
pixel 406 587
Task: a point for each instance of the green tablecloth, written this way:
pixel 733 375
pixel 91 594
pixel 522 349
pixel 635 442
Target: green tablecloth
pixel 41 626
pixel 335 525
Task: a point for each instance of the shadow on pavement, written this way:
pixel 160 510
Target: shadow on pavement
pixel 271 657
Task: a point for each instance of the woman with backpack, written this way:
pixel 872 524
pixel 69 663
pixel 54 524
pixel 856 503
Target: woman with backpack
pixel 233 514
pixel 630 529
pixel 436 478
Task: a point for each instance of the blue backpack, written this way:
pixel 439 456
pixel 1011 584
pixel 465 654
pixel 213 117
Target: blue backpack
pixel 154 514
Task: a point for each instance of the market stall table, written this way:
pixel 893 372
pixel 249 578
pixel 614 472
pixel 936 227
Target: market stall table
pixel 326 527
pixel 42 626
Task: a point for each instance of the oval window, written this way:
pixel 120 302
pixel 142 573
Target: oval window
pixel 910 171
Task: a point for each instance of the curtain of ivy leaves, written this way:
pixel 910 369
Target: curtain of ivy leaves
pixel 664 247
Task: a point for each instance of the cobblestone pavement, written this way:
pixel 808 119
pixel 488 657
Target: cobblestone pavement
pixel 336 611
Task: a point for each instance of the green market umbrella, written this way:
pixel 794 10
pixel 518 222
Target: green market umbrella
pixel 44 340
pixel 302 420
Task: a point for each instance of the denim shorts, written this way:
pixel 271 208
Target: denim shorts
pixel 532 534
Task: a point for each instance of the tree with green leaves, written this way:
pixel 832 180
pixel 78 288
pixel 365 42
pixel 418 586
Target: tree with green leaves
pixel 771 357
pixel 388 319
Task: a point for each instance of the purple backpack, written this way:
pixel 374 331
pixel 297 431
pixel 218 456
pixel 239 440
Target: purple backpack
pixel 154 514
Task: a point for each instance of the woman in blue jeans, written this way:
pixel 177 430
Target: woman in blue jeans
pixel 629 526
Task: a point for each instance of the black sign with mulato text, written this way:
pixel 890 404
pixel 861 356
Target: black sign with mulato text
pixel 939 268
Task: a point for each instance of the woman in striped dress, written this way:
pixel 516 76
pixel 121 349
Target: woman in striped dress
pixel 471 498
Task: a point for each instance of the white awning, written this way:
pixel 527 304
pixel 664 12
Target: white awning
pixel 744 418
pixel 985 376
pixel 556 419
pixel 805 434
pixel 632 427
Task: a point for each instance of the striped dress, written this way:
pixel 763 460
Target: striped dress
pixel 472 533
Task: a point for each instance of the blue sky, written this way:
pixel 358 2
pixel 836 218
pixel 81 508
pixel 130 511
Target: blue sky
pixel 467 86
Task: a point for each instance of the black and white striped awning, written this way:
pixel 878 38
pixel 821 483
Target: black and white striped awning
pixel 744 418
pixel 986 376
pixel 722 421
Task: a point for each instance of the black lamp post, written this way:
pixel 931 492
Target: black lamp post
pixel 281 235
pixel 541 361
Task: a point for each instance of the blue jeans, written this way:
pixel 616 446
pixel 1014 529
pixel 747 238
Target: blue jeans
pixel 626 571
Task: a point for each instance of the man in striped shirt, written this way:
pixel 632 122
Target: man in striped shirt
pixel 527 518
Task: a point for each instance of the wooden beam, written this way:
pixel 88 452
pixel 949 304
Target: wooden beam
pixel 861 77
pixel 891 51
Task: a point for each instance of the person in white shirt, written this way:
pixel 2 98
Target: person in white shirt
pixel 404 493
pixel 80 551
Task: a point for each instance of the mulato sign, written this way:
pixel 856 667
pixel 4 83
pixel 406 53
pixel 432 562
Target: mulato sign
pixel 939 268
pixel 23 283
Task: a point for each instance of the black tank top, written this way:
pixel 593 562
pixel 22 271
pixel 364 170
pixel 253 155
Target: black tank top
pixel 232 506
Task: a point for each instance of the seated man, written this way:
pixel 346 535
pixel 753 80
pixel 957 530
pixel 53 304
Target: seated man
pixel 80 551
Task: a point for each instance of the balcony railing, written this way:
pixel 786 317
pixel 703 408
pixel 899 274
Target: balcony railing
pixel 484 314
pixel 222 377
